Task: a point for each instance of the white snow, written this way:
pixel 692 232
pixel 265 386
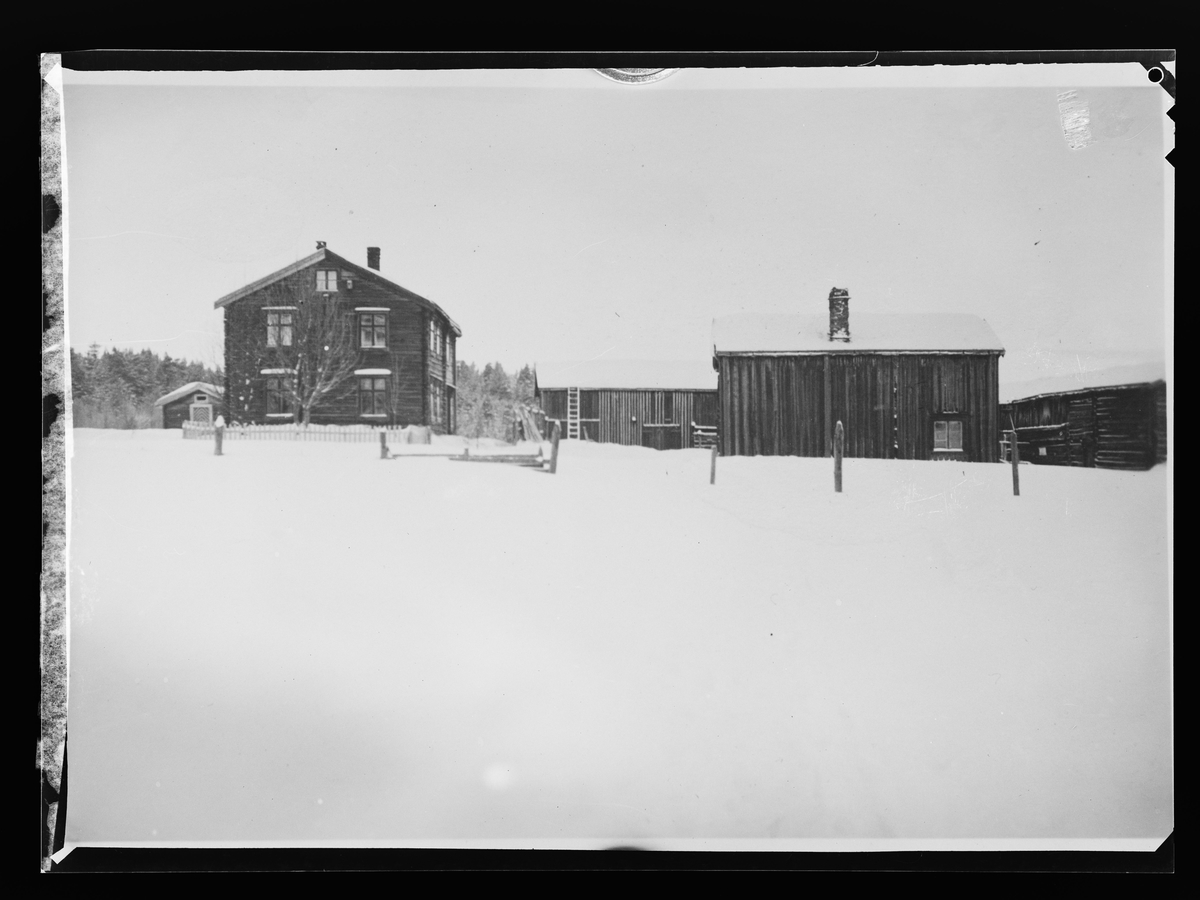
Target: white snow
pixel 302 642
pixel 628 375
pixel 774 333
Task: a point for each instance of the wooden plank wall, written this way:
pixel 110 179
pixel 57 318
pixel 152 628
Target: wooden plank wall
pixel 621 414
pixel 788 405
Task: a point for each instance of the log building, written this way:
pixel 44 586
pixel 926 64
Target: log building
pixel 1107 420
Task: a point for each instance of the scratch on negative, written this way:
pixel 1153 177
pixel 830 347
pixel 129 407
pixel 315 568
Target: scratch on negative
pixel 1076 120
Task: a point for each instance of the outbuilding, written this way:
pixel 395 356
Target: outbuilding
pixel 1111 419
pixel 663 404
pixel 196 401
pixel 904 386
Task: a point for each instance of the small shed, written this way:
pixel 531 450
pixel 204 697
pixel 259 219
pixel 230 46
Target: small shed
pixel 1110 419
pixel 663 404
pixel 196 401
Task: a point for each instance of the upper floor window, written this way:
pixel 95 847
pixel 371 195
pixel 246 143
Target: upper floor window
pixel 372 330
pixel 436 347
pixel 279 328
pixel 326 280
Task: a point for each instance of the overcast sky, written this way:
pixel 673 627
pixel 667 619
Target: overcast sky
pixel 558 215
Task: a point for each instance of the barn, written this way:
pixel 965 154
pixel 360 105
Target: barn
pixel 917 386
pixel 666 405
pixel 196 401
pixel 393 357
pixel 1112 419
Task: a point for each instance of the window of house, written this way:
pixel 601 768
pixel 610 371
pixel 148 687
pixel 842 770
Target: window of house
pixel 436 405
pixel 450 373
pixel 326 279
pixel 201 398
pixel 947 435
pixel 279 329
pixel 435 340
pixel 372 330
pixel 372 396
pixel 279 396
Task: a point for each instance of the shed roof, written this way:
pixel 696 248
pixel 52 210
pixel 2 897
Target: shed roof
pixel 188 388
pixel 325 255
pixel 869 332
pixel 627 375
pixel 1117 376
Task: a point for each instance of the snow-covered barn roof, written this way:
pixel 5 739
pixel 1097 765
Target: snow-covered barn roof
pixel 871 332
pixel 1145 373
pixel 627 375
pixel 326 255
pixel 188 388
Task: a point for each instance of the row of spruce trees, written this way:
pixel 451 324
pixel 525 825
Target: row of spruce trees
pixel 117 389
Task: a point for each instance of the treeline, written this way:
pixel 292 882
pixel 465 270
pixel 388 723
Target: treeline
pixel 487 400
pixel 117 388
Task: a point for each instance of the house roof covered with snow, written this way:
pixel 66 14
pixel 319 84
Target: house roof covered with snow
pixel 627 375
pixel 878 332
pixel 327 256
pixel 1117 376
pixel 189 388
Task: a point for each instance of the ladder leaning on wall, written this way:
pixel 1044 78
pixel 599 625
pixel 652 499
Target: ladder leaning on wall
pixel 573 413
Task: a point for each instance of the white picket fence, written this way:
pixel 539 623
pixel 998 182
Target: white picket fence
pixel 348 434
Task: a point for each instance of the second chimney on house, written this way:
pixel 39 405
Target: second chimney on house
pixel 839 315
pixel 373 258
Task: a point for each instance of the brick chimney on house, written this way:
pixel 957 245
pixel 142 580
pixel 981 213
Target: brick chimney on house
pixel 373 258
pixel 839 315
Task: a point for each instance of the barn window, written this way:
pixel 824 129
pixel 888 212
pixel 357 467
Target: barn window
pixel 947 436
pixel 201 398
pixel 372 330
pixel 279 329
pixel 372 396
pixel 279 396
pixel 326 279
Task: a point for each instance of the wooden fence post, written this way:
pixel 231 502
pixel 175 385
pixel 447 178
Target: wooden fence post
pixel 839 440
pixel 383 450
pixel 1016 460
pixel 712 475
pixel 554 450
pixel 218 434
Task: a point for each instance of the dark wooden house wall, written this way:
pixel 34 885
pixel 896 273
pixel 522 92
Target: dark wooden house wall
pixel 406 355
pixel 1109 428
pixel 618 416
pixel 887 404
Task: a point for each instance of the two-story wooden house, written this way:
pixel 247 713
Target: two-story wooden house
pixel 396 368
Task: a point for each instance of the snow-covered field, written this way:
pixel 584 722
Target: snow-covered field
pixel 303 642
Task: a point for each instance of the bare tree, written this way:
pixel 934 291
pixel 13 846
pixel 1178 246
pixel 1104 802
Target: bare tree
pixel 311 337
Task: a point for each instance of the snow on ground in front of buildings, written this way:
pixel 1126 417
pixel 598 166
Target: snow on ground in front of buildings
pixel 303 642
